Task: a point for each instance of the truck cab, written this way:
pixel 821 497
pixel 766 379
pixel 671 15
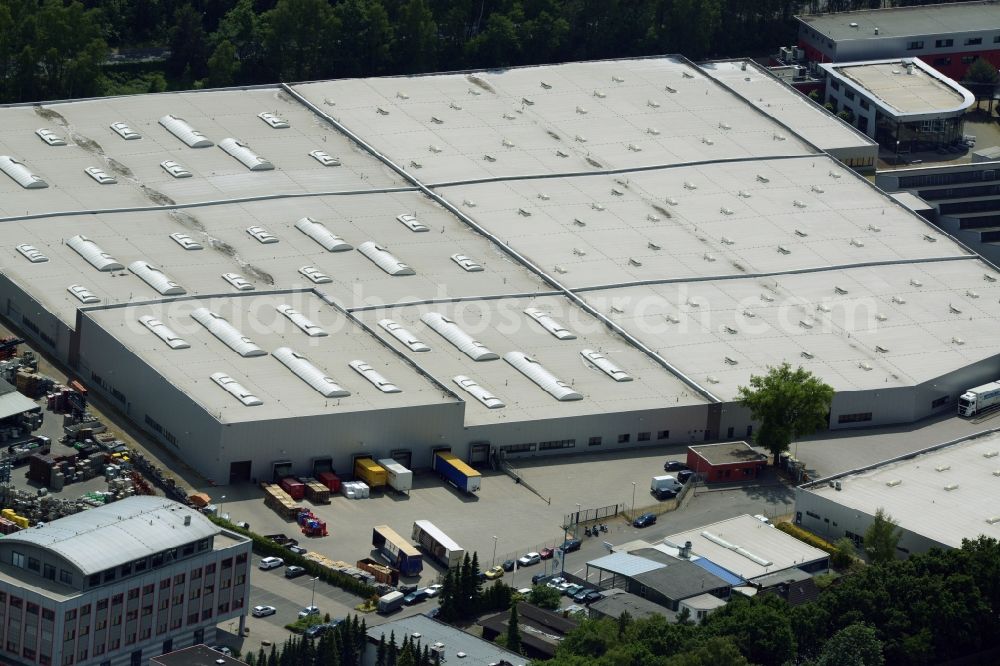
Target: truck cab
pixel 967 404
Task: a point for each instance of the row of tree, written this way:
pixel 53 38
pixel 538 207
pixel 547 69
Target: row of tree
pixel 464 596
pixel 344 645
pixel 51 49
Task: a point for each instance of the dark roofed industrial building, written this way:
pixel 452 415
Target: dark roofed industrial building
pixel 196 655
pixel 729 461
pixel 541 630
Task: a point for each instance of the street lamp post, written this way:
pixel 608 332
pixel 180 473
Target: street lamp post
pixel 633 500
pixel 222 500
pixel 494 551
pixel 312 601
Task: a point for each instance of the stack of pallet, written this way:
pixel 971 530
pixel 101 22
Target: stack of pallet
pixel 316 492
pixel 32 384
pixel 280 501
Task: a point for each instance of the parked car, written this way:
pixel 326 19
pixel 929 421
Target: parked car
pixel 664 494
pixel 294 571
pixel 221 649
pixel 508 565
pixel 433 590
pixel 528 559
pixel 271 563
pixel 415 597
pixel 592 597
pixel 674 466
pixel 582 593
pixel 645 520
pixel 494 572
pixel 318 630
pixel 546 553
pixel 572 589
pixel 684 475
pixel 569 545
pixel 555 582
pixel 263 611
pixel 764 519
pixel 539 578
pixel 307 611
pixel 298 550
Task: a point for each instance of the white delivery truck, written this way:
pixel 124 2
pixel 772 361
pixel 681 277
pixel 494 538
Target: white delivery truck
pixel 390 602
pixel 666 482
pixel 398 477
pixel 975 400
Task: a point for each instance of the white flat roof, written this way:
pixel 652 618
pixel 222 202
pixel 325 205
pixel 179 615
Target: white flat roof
pixel 904 88
pixel 920 502
pixel 777 549
pixel 933 20
pixel 521 118
pixel 700 221
pixel 355 279
pixel 769 94
pixel 720 332
pixel 85 125
pixel 502 326
pixel 282 393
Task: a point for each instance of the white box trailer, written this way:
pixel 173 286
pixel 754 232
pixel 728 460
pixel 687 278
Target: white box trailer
pixel 977 399
pixel 399 478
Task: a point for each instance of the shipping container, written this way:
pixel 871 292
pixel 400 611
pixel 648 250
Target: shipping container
pixel 330 480
pixel 398 477
pixel 456 472
pixel 437 544
pixel 295 488
pixel 369 471
pixel 399 552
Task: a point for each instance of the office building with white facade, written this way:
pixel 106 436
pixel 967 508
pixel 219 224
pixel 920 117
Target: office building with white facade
pixel 116 585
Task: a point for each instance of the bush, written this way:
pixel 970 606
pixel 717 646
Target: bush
pixel 545 597
pixel 303 623
pixel 266 547
pixel 843 555
pixel 807 537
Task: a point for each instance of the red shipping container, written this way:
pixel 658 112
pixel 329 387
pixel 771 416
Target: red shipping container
pixel 293 487
pixel 330 480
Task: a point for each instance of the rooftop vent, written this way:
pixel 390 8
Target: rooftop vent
pixel 411 341
pixel 489 158
pixel 767 297
pixel 543 196
pixel 507 143
pixel 124 131
pixel 550 324
pixel 652 104
pixel 942 468
pixel 319 233
pixel 579 138
pixel 916 283
pixel 993 520
pixel 309 373
pixel 743 194
pixel 799 232
pixel 799 204
pixel 478 392
pixel 523 213
pixel 653 131
pixel 183 131
pixel 605 365
pixel 527 101
pixel 708 256
pixel 454 334
pixel 805 323
pixel 880 317
pixel 880 349
pixel 929 238
pixel 688 185
pixel 817 189
pixel 238 282
pixel 616 192
pixel 972 293
pixel 561 153
pixel 402 95
pixel 32 254
pixel 712 379
pixel 435 149
pixel 50 137
pixel 725 126
pixel 634 262
pixel 85 295
pixel 246 157
pixel 578 252
pixel 236 389
pixel 784 250
pixel 21 174
pixel 726 211
pixel 578 222
pixel 726 240
pixel 893 483
pixel 840 290
pixel 582 111
pixel 951 486
pixel 617 79
pixel 730 361
pixel 163 332
pixel 438 121
pixel 823 307
pixel 384 259
pixel 899 300
pixel 94 255
pixel 227 333
pixel 865 365
pixel 670 200
pixel 596 206
pixel 560 269
pixel 953 309
pixel 634 148
pixel 778 137
pixel 374 376
pixel 304 323
pixel 468 203
pixel 652 218
pixel 273 120
pixel 670 90
pixel 537 373
pixel 672 318
pixel 763 179
pixel 805 354
pixel 466 263
pixel 957 340
pixel 991 454
pixel 545 86
pixel 989 278
pixel 185 241
pixel 156 278
pixel 748 313
pixel 454 106
pixel 707 141
pixel 380 111
pixel 506 116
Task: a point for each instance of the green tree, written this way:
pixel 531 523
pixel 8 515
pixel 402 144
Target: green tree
pixel 366 39
pixel 416 38
pixel 223 65
pixel 760 627
pixel 715 651
pixel 513 630
pixel 297 36
pixel 981 78
pixel 855 645
pixel 881 538
pixel 188 44
pixel 545 597
pixel 843 556
pixel 788 404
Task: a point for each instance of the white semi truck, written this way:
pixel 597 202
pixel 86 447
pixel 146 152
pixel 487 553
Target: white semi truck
pixel 975 400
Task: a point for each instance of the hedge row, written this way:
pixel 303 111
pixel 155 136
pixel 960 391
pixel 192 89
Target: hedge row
pixel 807 537
pixel 266 547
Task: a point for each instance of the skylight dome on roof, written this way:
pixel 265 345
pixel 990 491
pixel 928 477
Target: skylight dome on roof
pixel 156 278
pixel 309 373
pixel 374 376
pixel 21 174
pixel 479 392
pixel 550 324
pixel 183 131
pixel 32 253
pixel 385 259
pixel 273 120
pixel 605 365
pixel 319 233
pixel 454 334
pixel 235 389
pixel 163 332
pixel 303 322
pixel 412 342
pixel 227 333
pixel 537 373
pixel 94 255
pixel 82 293
pixel 245 155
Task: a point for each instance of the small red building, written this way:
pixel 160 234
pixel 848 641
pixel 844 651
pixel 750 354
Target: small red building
pixel 726 462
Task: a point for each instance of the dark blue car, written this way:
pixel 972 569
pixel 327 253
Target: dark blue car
pixel 645 520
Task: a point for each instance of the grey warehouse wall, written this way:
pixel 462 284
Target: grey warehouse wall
pixel 35 321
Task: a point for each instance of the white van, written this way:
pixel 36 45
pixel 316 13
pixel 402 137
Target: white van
pixel 665 482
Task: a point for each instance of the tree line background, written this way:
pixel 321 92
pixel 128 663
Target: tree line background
pixel 57 49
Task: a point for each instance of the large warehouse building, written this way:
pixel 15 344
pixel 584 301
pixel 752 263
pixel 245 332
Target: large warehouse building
pixel 517 262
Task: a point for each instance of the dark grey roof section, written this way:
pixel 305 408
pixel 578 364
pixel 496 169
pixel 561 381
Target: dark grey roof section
pixel 638 608
pixel 681 580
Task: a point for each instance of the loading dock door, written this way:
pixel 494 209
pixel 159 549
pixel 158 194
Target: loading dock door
pixel 280 469
pixel 479 453
pixel 403 456
pixel 240 471
pixel 321 465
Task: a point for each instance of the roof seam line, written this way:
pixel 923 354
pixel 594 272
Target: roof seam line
pixel 708 395
pixel 457 299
